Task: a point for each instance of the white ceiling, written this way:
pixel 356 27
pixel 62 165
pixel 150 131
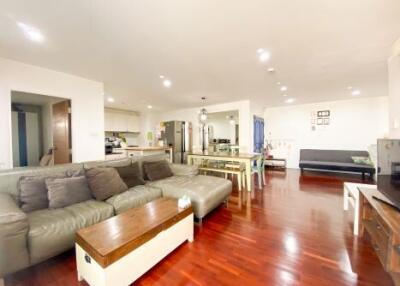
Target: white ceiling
pixel 208 47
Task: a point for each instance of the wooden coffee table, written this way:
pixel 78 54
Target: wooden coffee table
pixel 120 249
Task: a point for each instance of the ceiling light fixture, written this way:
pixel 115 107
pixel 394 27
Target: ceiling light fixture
pixel 264 57
pixel 289 100
pixel 271 70
pixel 110 99
pixel 203 113
pixel 31 33
pixel 167 83
pixel 161 76
pixel 278 83
pixel 284 95
pixel 284 88
pixel 149 106
pixel 356 92
pixel 349 87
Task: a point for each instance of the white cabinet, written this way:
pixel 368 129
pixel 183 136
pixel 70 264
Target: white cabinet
pixel 133 123
pixel 121 121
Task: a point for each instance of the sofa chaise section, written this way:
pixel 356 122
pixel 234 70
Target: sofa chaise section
pixel 205 192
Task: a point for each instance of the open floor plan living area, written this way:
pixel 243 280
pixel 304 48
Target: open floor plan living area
pixel 186 142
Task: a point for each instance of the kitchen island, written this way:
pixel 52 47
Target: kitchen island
pixel 145 151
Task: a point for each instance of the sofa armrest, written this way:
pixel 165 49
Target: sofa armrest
pixel 14 228
pixel 184 170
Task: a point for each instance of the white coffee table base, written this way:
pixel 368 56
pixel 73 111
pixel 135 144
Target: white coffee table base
pixel 351 195
pixel 133 265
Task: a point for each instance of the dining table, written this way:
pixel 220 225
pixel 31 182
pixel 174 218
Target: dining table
pixel 246 158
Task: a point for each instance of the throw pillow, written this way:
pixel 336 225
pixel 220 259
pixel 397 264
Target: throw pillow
pixel 362 160
pixel 131 175
pixel 33 193
pixel 105 182
pixel 157 170
pixel 63 192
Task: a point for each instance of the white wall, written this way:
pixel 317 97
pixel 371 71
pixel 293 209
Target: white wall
pixel 394 90
pixel 354 125
pixel 191 115
pixel 86 99
pixel 148 123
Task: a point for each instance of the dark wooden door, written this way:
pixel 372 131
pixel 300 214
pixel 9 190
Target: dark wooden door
pixel 62 132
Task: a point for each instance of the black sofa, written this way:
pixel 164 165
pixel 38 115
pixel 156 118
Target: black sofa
pixel 334 160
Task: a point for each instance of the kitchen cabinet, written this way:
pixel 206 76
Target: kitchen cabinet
pixel 121 121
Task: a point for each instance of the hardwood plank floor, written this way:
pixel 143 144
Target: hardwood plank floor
pixel 293 232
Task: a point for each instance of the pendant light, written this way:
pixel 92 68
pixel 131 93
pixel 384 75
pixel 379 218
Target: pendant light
pixel 203 113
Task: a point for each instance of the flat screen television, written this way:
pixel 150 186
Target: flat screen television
pixel 388 175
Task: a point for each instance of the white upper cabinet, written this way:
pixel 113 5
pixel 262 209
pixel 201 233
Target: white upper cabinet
pixel 121 121
pixel 133 123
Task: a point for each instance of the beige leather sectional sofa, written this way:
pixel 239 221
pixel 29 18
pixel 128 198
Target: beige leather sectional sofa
pixel 29 238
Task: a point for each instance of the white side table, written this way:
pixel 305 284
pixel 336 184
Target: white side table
pixel 350 194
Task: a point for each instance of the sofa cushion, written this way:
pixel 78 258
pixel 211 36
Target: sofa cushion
pixel 131 175
pixel 52 231
pixel 9 179
pixel 63 192
pixel 33 192
pixel 338 165
pixel 157 170
pixel 105 182
pixel 108 163
pixel 134 197
pixel 184 170
pixel 205 192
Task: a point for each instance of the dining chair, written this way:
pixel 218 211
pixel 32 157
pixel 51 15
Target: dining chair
pixel 259 169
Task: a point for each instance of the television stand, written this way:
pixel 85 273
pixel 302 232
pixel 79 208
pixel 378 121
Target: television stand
pixel 382 224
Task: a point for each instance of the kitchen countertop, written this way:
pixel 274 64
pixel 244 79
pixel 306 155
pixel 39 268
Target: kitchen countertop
pixel 153 148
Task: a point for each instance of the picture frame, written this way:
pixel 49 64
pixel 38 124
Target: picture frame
pixel 320 121
pixel 326 121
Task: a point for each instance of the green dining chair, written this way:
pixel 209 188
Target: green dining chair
pixel 259 168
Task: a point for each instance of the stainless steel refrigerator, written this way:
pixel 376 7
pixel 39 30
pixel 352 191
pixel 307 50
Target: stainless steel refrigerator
pixel 178 135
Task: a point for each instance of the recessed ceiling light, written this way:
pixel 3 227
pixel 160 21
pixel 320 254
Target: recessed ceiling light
pixel 110 99
pixel 161 76
pixel 349 87
pixel 289 100
pixel 149 106
pixel 31 33
pixel 284 95
pixel 284 88
pixel 278 83
pixel 356 92
pixel 167 83
pixel 260 51
pixel 264 56
pixel 271 69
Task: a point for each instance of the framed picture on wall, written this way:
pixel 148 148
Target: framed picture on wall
pixel 320 121
pixel 326 121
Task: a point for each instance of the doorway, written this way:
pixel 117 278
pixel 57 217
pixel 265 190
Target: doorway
pixel 41 130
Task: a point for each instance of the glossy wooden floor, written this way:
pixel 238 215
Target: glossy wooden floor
pixel 293 232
